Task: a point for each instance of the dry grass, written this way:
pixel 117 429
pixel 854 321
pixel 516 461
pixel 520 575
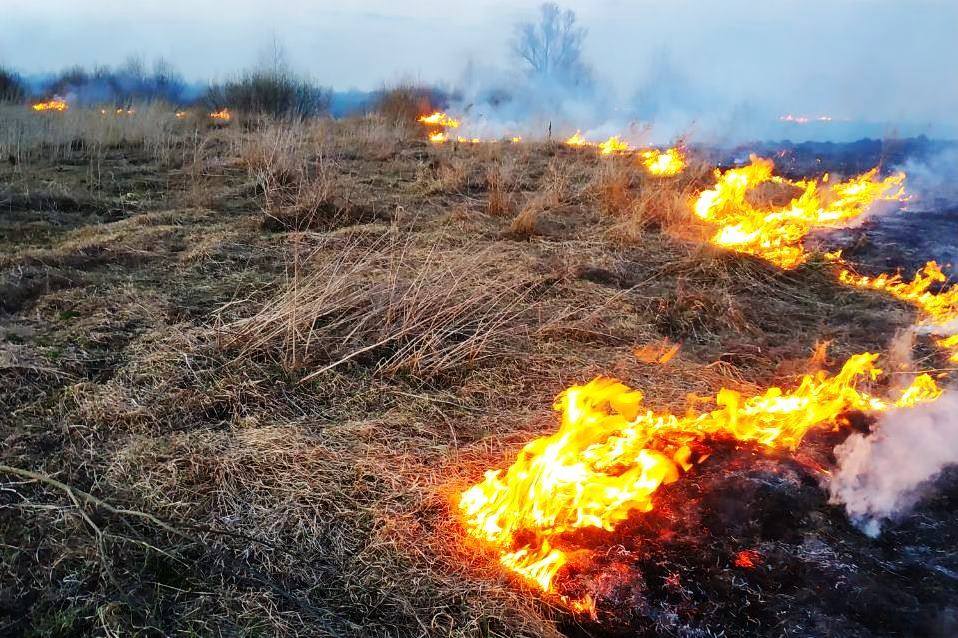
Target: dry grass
pixel 156 361
pixel 425 312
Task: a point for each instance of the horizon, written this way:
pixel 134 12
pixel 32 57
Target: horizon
pixel 863 61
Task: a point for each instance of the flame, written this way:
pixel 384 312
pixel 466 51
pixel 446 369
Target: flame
pixel 466 140
pixel 576 140
pixel 614 145
pixel 664 163
pixel 56 104
pixel 439 119
pixel 938 306
pixel 223 115
pixel 775 233
pixel 611 454
pixel 181 114
pixel 438 138
pixel 516 139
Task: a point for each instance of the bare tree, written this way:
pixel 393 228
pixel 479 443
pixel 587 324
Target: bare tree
pixel 552 48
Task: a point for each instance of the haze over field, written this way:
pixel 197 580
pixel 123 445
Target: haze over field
pixel 710 63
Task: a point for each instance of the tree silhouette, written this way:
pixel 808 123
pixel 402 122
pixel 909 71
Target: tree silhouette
pixel 552 47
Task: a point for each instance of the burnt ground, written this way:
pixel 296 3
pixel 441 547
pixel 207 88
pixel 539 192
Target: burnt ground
pixel 168 471
pixel 750 545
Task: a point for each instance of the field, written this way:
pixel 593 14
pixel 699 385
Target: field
pixel 249 367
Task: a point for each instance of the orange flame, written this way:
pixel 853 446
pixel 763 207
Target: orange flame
pixel 776 233
pixel 664 163
pixel 939 308
pixel 438 138
pixel 576 140
pixel 223 115
pixel 56 104
pixel 439 119
pixel 611 454
pixel 613 146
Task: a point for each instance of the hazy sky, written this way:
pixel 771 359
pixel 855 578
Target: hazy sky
pixel 850 58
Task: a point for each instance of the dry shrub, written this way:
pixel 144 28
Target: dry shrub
pixel 406 102
pixel 425 313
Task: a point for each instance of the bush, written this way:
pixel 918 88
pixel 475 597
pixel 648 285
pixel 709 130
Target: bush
pixel 406 102
pixel 276 93
pixel 12 87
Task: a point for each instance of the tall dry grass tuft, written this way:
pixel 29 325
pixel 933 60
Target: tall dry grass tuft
pixel 290 165
pixel 613 184
pixel 499 186
pixel 391 307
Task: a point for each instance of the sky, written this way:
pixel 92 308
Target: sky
pixel 879 59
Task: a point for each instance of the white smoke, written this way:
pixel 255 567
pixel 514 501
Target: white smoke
pixel 933 181
pixel 884 473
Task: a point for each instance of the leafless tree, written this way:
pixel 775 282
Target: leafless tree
pixel 552 47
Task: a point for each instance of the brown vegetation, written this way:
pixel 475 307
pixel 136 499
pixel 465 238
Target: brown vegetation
pixel 247 369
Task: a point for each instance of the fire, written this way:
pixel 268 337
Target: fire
pixel 181 114
pixel 516 139
pixel 439 119
pixel 576 140
pixel 611 454
pixel 776 233
pixel 614 145
pixel 438 138
pixel 56 104
pixel 222 115
pixel 664 163
pixel 466 140
pixel 939 306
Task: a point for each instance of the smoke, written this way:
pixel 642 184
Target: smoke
pixel 883 474
pixel 933 180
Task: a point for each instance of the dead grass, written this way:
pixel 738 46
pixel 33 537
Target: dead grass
pixel 420 311
pixel 158 363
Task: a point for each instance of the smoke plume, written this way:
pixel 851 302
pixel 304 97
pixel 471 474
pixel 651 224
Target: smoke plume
pixel 883 474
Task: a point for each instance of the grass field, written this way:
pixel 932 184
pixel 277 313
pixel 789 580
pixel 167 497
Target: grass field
pixel 248 368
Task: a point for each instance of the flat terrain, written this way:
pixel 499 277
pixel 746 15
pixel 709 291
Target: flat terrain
pixel 247 369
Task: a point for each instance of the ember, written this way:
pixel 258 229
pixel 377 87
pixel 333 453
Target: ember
pixel 748 559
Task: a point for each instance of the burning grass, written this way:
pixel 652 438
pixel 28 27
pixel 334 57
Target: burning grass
pixel 257 415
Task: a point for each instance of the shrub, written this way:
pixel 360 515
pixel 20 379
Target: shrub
pixel 276 93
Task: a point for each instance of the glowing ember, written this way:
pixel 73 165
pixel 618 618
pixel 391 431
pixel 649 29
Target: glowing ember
pixel 223 115
pixel 776 233
pixel 611 454
pixel 56 104
pixel 181 114
pixel 748 559
pixel 663 163
pixel 614 145
pixel 439 119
